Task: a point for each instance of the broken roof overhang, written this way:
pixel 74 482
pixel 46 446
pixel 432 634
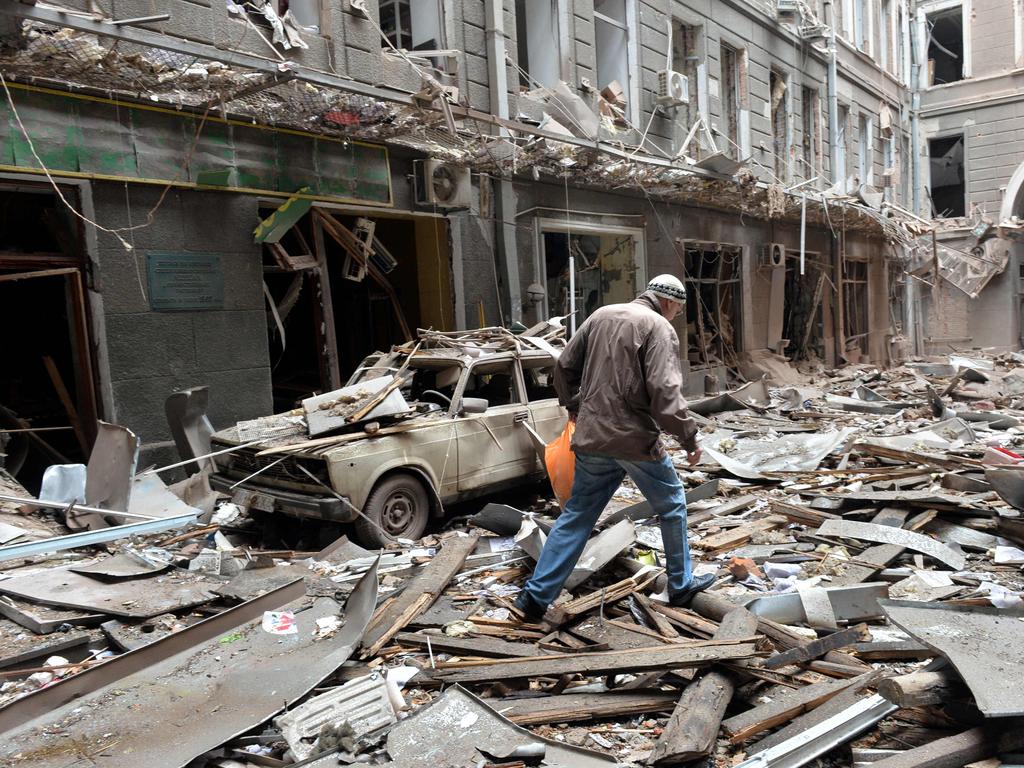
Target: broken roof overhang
pixel 91 55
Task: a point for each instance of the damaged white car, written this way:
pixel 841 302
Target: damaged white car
pixel 459 432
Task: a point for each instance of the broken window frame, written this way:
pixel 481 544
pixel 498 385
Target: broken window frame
pixel 812 159
pixel 544 226
pixel 925 13
pixel 889 165
pixel 689 57
pixel 945 136
pixel 866 149
pixel 781 123
pixel 863 26
pixel 856 303
pixel 734 91
pixel 728 290
pixel 528 77
pixel 627 27
pixel 886 42
pixel 398 38
pixel 841 174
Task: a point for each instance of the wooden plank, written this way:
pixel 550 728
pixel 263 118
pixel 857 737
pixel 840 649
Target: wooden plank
pixel 467 646
pixel 692 729
pixel 662 657
pixel 800 514
pixel 419 594
pixel 563 612
pixel 921 688
pixel 892 650
pixel 952 751
pixel 820 647
pixel 740 535
pixel 570 707
pixel 67 402
pixel 781 710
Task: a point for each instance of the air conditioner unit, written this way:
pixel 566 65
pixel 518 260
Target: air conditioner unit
pixel 773 255
pixel 443 185
pixel 673 88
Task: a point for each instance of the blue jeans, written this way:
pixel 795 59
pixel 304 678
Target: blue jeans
pixel 595 482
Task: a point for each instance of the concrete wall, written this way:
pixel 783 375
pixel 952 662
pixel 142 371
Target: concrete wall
pixel 152 354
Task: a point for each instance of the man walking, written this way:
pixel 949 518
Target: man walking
pixel 619 378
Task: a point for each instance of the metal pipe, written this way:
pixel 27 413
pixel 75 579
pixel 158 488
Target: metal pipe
pixel 142 20
pixel 914 74
pixel 43 504
pixel 803 230
pixel 505 200
pixel 88 538
pixel 833 95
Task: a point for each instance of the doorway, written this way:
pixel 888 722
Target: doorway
pixel 713 315
pixel 48 406
pixel 806 305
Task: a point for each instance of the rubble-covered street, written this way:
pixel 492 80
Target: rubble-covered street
pixel 863 526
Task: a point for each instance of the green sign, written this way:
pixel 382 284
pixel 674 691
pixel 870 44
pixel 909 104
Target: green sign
pixel 99 138
pixel 180 281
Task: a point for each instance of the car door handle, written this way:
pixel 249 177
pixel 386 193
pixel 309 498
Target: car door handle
pixel 520 417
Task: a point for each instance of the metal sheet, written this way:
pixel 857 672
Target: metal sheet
pixel 185 412
pixel 826 735
pixel 43 620
pixel 1008 483
pixel 452 729
pixel 853 603
pixel 331 410
pixel 748 458
pixel 985 645
pixel 152 498
pixel 17 646
pixel 885 534
pixel 120 566
pixel 108 477
pixel 363 703
pixel 140 598
pixel 212 681
pixel 601 550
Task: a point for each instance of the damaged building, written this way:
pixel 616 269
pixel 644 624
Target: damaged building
pixel 281 192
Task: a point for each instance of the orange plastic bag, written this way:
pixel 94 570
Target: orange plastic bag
pixel 560 462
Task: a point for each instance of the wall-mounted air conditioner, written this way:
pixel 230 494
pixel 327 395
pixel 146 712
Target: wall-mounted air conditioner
pixel 673 88
pixel 773 255
pixel 442 185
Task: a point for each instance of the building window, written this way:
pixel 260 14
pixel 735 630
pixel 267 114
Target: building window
pixel 946 60
pixel 947 187
pixel 611 43
pixel 413 25
pixel 900 28
pixel 539 42
pixel 861 36
pixel 714 303
pixel 733 87
pixel 904 163
pixel 890 173
pixel 886 47
pixel 687 58
pixel 778 87
pixel 865 151
pixel 839 174
pixel 811 164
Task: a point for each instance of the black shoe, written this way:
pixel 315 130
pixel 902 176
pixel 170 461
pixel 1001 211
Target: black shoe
pixel 533 611
pixel 697 584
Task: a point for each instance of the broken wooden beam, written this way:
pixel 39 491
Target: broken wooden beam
pixel 467 646
pixel 921 688
pixel 661 657
pixel 574 707
pixel 781 710
pixel 955 751
pixel 819 647
pixel 740 535
pixel 419 594
pixel 692 729
pixel 563 612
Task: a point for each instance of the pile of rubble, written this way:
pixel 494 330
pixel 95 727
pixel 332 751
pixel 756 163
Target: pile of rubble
pixel 864 527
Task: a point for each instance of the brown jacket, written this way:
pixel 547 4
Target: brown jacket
pixel 620 375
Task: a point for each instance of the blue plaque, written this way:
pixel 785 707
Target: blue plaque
pixel 184 280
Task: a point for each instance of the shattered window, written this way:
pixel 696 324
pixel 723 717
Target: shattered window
pixel 414 25
pixel 538 41
pixel 865 151
pixel 732 99
pixel 540 380
pixel 687 45
pixel 855 308
pixel 712 303
pixel 604 271
pixel 494 382
pixel 811 133
pixel 611 42
pixel 778 85
pixel 948 188
pixel 945 46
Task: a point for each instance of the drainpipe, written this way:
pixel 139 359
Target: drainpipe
pixel 833 142
pixel 917 55
pixel 833 93
pixel 505 200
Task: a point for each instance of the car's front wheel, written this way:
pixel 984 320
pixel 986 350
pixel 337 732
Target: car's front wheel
pixel 397 508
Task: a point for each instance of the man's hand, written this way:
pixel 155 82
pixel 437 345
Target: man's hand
pixel 693 457
pixel 572 417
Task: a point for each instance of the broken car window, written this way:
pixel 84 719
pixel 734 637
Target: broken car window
pixel 493 382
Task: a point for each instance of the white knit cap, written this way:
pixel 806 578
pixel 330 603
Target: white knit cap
pixel 668 287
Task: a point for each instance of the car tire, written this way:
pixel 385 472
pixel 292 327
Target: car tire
pixel 399 504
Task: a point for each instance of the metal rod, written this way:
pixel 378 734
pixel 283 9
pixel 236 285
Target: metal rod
pixel 88 538
pixel 141 20
pixel 803 230
pixel 43 504
pixel 199 458
pixel 34 429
